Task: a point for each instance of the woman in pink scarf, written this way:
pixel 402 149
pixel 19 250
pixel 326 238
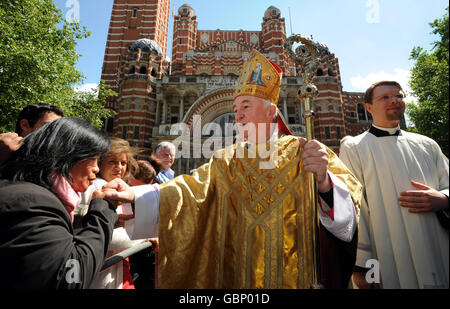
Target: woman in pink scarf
pixel 40 187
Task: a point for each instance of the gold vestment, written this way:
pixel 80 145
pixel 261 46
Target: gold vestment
pixel 234 225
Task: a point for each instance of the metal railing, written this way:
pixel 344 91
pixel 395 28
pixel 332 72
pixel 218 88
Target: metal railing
pixel 125 253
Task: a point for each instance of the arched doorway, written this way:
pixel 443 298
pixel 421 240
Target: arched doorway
pixel 222 126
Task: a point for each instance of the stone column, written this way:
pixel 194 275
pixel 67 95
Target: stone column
pixel 180 118
pixel 164 112
pixel 158 110
pixel 285 111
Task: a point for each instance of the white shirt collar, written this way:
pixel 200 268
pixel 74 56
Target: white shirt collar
pixel 389 130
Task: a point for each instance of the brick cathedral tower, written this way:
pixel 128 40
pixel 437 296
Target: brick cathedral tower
pixel 184 38
pixel 135 57
pixel 273 37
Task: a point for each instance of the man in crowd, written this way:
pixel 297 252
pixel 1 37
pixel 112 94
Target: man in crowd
pixel 34 116
pixel 403 228
pixel 243 220
pixel 31 118
pixel 165 153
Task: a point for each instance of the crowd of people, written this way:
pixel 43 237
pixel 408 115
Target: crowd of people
pixel 71 197
pixel 76 181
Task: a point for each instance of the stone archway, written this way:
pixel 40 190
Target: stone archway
pixel 210 106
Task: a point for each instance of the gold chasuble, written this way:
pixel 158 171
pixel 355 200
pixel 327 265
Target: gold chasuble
pixel 233 224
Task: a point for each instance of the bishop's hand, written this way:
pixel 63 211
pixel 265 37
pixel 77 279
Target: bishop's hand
pixel 315 160
pixel 121 191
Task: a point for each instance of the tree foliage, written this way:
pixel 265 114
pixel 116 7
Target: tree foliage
pixel 37 63
pixel 430 84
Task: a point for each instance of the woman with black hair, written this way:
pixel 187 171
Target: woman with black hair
pixel 40 187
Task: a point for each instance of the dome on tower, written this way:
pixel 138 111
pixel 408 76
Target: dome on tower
pixel 272 12
pixel 146 45
pixel 186 11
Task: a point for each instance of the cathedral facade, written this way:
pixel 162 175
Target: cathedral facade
pixel 194 88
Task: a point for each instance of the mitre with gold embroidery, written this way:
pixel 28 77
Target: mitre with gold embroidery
pixel 261 78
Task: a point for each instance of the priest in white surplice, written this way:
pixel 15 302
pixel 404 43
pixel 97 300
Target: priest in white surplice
pixel 404 213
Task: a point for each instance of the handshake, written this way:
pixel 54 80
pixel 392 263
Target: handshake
pixel 115 191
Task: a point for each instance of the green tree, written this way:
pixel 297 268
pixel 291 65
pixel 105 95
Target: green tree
pixel 430 84
pixel 37 63
pixel 89 104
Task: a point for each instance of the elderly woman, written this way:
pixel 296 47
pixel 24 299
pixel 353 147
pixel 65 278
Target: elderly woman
pixel 40 187
pixel 118 163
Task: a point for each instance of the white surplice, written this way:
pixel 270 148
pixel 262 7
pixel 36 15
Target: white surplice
pixel 412 249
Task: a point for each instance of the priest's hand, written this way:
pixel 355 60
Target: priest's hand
pixel 121 191
pixel 315 159
pixel 425 199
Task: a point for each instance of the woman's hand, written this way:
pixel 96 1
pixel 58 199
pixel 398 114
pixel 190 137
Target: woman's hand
pixel 118 191
pixel 104 195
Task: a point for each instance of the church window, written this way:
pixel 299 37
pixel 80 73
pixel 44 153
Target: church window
pixel 174 110
pixel 143 70
pixel 338 132
pixel 136 132
pixel 132 69
pixel 292 115
pixel 134 13
pixel 124 132
pixel 108 125
pixel 153 72
pixel 327 133
pixel 330 72
pixel 319 72
pixel 362 115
